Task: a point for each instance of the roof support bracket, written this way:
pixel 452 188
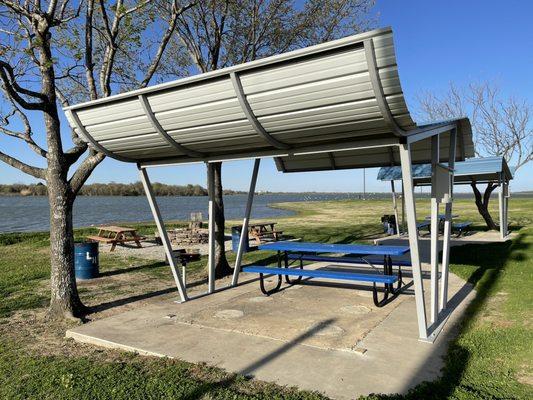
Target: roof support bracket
pixel 378 88
pixel 239 91
pixel 332 161
pixel 159 129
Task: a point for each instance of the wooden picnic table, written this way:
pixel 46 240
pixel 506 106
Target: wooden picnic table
pixel 116 235
pixel 263 230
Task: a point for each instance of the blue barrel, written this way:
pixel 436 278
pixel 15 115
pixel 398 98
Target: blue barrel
pixel 86 260
pixel 236 238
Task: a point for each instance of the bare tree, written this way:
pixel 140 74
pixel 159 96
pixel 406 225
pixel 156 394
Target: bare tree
pixel 502 126
pixel 221 33
pixel 54 52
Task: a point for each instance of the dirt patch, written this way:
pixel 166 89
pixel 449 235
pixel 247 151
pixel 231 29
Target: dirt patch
pixel 525 376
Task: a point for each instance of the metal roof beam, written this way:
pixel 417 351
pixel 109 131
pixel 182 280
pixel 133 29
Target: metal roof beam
pixel 239 91
pixel 83 132
pixel 427 132
pixel 378 88
pixel 313 149
pixel 159 129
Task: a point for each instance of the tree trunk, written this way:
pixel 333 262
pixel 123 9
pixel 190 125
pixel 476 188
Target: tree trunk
pixel 64 301
pixel 222 267
pixel 482 203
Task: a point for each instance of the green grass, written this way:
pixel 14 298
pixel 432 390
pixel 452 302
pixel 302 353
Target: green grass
pixel 490 359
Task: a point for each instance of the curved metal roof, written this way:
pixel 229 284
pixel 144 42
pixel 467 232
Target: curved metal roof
pixel 480 170
pixel 333 96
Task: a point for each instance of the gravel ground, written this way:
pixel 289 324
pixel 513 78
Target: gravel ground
pixel 151 251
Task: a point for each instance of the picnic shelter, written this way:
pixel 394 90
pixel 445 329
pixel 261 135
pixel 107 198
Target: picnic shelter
pixel 336 105
pixel 474 170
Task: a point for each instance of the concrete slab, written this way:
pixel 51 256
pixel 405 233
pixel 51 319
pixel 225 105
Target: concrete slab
pixel 329 339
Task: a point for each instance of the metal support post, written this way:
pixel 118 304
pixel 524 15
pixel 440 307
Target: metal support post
pixel 403 209
pixel 501 206
pixel 407 176
pixel 244 229
pixel 434 304
pixel 162 232
pixel 448 225
pixel 212 244
pixel 395 205
pixel 506 208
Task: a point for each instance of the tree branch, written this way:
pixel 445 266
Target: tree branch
pixel 176 12
pixel 84 171
pixel 28 169
pixel 13 89
pixel 26 136
pixel 89 64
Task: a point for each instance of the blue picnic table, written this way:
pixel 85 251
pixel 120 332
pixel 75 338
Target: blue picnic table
pixel 309 251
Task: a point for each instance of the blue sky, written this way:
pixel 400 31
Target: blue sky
pixel 437 42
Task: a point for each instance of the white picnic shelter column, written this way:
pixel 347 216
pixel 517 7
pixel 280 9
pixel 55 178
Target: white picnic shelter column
pixel 145 180
pixel 212 243
pixel 410 208
pixel 395 205
pixel 448 224
pixel 501 200
pixel 435 158
pixel 245 221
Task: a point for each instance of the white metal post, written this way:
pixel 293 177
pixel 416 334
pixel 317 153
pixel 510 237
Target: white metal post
pixel 162 232
pixel 395 205
pixel 244 229
pixel 403 208
pixel 506 196
pixel 501 206
pixel 212 244
pixel 434 305
pixel 448 225
pixel 410 206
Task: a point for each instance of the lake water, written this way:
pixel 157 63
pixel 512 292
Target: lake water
pixel 19 213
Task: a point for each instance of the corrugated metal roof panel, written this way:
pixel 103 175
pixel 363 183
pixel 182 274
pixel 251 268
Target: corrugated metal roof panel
pixel 321 95
pixel 479 169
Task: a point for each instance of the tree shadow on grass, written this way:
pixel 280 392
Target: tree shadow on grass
pixel 137 268
pixel 489 261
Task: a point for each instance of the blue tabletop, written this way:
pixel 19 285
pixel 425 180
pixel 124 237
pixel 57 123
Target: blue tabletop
pixel 309 247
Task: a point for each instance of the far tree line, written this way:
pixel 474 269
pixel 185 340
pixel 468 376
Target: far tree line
pixel 111 189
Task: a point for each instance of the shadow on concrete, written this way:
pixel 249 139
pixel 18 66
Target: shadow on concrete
pixel 208 387
pixel 489 261
pixel 137 268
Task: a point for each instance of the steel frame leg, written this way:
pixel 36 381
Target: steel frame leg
pixel 286 260
pixel 212 243
pixel 448 226
pixel 410 208
pixel 434 259
pixel 162 232
pixel 501 208
pixel 446 257
pixel 395 206
pixel 244 230
pixel 435 229
pixel 388 287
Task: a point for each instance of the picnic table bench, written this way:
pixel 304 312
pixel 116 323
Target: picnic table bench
pixel 461 227
pixel 311 251
pixel 264 230
pixel 423 225
pixel 116 235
